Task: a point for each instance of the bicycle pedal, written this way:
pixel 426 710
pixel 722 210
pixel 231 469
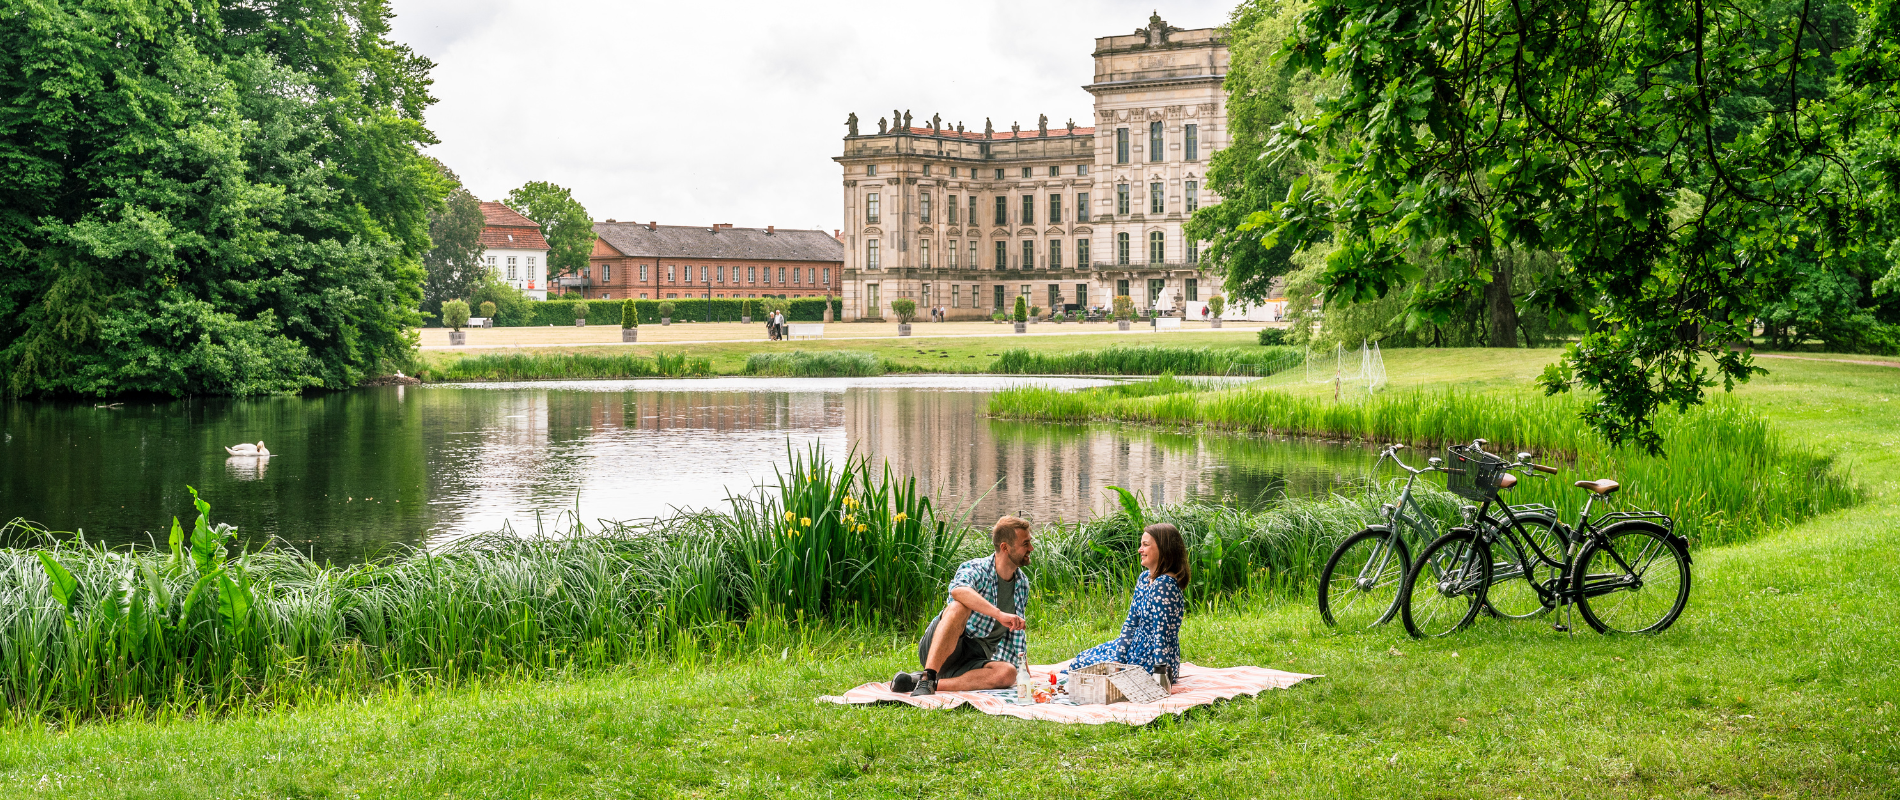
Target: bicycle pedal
pixel 1560 627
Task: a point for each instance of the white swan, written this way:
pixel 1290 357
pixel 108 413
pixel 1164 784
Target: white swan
pixel 258 450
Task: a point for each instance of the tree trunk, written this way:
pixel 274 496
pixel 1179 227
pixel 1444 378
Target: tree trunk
pixel 1501 330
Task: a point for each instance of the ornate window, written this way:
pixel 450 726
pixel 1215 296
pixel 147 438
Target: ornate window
pixel 1055 208
pixel 1029 209
pixel 870 208
pixel 1157 199
pixel 1082 207
pixel 923 207
pixel 1121 198
pixel 1155 150
pixel 1029 254
pixel 1191 134
pixel 1121 145
pixel 1157 248
pixel 1121 248
pixel 1055 254
pixel 1191 196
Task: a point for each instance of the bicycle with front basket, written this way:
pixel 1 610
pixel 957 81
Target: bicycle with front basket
pixel 1359 587
pixel 1624 571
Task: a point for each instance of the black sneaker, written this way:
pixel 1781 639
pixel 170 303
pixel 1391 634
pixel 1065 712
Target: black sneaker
pixel 904 682
pixel 925 686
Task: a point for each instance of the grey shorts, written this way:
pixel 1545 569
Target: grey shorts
pixel 969 654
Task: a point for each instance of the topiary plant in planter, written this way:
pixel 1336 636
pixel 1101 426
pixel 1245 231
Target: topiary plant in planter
pixel 580 313
pixel 455 315
pixel 666 313
pixel 1215 305
pixel 629 322
pixel 906 310
pixel 488 313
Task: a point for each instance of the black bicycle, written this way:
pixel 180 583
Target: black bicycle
pixel 1625 571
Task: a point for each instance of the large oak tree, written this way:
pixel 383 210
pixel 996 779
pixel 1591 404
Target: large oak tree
pixel 1669 152
pixel 208 197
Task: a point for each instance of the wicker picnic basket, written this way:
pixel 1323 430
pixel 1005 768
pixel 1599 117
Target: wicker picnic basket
pixel 1095 684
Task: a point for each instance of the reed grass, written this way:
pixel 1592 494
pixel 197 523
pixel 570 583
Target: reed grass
pixel 1727 476
pixel 86 631
pixel 565 366
pixel 819 364
pixel 1118 360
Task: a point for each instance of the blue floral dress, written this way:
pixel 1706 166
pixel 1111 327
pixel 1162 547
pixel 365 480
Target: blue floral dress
pixel 1151 635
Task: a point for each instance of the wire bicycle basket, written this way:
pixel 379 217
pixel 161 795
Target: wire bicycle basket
pixel 1473 474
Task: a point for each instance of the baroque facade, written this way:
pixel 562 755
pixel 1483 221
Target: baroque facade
pixel 1068 216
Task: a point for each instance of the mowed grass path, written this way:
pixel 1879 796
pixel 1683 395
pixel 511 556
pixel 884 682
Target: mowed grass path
pixel 1780 681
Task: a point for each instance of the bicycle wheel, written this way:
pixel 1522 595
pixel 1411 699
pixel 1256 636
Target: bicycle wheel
pixel 1446 586
pixel 1511 595
pixel 1642 588
pixel 1359 588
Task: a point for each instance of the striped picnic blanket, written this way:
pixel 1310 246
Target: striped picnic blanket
pixel 1198 686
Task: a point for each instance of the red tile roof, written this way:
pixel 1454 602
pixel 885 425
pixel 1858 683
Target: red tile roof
pixel 506 229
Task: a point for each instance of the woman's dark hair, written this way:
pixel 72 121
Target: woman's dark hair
pixel 1171 552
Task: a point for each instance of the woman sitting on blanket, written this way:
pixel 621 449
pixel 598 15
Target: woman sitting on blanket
pixel 1151 636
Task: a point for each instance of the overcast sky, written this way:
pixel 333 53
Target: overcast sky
pixel 693 113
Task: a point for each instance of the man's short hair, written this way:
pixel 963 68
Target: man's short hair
pixel 1006 531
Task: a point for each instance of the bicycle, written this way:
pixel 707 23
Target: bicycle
pixel 1360 586
pixel 1612 556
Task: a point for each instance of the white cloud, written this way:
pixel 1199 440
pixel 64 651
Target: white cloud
pixel 695 113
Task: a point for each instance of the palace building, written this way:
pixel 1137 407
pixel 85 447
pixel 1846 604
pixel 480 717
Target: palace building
pixel 1067 216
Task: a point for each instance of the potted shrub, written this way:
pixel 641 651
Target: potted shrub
pixel 1124 311
pixel 999 317
pixel 629 322
pixel 455 315
pixel 1035 313
pixel 1215 305
pixel 580 313
pixel 666 313
pixel 1022 314
pixel 745 311
pixel 488 314
pixel 906 311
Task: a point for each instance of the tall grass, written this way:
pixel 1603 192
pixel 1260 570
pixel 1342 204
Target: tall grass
pixel 822 364
pixel 87 631
pixel 1149 361
pixel 565 366
pixel 1726 477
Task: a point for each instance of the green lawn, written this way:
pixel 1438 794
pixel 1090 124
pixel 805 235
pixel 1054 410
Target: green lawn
pixel 947 354
pixel 1780 681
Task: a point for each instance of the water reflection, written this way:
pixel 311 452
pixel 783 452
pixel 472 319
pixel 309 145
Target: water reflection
pixel 354 473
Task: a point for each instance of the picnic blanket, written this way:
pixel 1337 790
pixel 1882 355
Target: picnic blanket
pixel 1198 686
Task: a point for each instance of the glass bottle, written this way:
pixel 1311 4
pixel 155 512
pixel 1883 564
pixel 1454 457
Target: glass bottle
pixel 1025 690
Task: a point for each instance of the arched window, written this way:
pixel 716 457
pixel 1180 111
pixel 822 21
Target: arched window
pixel 1121 248
pixel 1157 248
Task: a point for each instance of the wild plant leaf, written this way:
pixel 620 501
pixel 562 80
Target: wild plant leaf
pixel 191 597
pixel 160 595
pixel 64 586
pixel 234 602
pixel 178 542
pixel 1131 505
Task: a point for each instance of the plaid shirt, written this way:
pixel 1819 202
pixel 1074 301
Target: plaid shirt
pixel 980 575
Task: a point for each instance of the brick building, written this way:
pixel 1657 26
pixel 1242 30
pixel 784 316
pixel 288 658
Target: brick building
pixel 634 260
pixel 514 250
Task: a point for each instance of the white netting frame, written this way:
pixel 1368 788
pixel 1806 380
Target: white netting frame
pixel 1367 368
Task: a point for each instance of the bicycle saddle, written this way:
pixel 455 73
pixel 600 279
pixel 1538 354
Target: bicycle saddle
pixel 1507 480
pixel 1605 486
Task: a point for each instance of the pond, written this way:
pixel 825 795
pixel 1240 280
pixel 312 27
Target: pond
pixel 354 474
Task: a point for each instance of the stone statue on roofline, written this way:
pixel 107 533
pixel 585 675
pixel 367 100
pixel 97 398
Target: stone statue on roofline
pixel 936 123
pixel 1015 129
pixel 907 122
pixel 896 120
pixel 1071 126
pixel 1042 124
pixel 959 127
pixel 989 131
pixel 851 124
pixel 881 123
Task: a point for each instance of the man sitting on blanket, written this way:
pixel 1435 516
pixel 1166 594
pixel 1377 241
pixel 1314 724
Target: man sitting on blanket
pixel 976 640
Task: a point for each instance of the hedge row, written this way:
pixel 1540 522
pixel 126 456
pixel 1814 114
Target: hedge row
pixel 607 312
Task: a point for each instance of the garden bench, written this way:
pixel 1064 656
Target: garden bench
pixel 1167 323
pixel 804 330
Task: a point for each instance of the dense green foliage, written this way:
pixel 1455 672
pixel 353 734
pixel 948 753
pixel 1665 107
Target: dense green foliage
pixel 1729 478
pixel 1685 161
pixel 453 268
pixel 1120 360
pixel 905 309
pixel 208 198
pixel 629 315
pixel 1022 309
pixel 821 364
pixel 564 223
